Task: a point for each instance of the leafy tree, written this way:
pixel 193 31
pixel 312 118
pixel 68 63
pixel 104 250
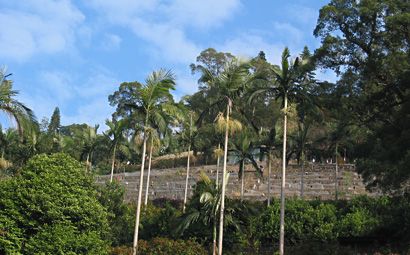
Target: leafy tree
pixel 212 60
pixel 54 126
pixel 51 208
pixel 367 44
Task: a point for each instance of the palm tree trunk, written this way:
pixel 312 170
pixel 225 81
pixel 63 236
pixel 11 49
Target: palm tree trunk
pixel 302 175
pixel 217 166
pixel 242 178
pixel 137 221
pixel 113 162
pixel 221 218
pixel 214 248
pixel 187 165
pixel 282 189
pixel 336 176
pixel 149 170
pixel 269 174
pixel 186 179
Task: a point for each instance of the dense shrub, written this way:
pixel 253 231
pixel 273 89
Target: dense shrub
pixel 360 219
pixel 51 207
pixel 121 216
pixel 303 222
pixel 164 246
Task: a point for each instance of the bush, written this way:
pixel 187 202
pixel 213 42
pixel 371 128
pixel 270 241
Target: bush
pixel 121 217
pixel 303 222
pixel 51 208
pixel 164 246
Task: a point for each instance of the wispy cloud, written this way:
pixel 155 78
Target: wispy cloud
pixel 164 23
pixel 33 27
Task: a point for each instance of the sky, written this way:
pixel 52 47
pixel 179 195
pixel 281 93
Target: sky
pixel 73 54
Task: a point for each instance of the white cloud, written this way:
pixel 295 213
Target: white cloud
pixel 199 13
pixel 288 33
pixel 164 23
pixel 80 101
pixel 249 45
pixel 32 27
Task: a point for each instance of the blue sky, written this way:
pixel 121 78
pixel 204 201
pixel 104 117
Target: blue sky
pixel 73 54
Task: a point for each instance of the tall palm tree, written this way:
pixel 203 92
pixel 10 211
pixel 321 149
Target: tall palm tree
pixel 116 134
pixel 189 138
pixel 287 84
pixel 23 115
pixel 222 90
pixel 152 104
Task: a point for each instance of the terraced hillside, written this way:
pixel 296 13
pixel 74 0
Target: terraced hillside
pixel 319 182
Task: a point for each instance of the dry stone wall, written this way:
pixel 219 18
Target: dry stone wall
pixel 319 181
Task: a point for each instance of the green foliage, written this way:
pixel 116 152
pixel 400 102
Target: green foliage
pixel 304 222
pixel 52 201
pixel 121 217
pixel 361 218
pixel 164 246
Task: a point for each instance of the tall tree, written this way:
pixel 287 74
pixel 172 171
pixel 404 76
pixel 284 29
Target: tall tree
pixel 145 104
pixel 367 44
pixel 222 90
pixel 54 125
pixel 288 84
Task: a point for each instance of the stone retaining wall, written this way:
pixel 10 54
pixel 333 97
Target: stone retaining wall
pixel 319 182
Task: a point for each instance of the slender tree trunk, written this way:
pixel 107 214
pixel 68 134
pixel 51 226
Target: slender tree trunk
pixel 214 248
pixel 242 178
pixel 269 175
pixel 336 176
pixel 302 175
pixel 186 179
pixel 221 218
pixel 217 166
pixel 282 190
pixel 187 165
pixel 113 163
pixel 137 220
pixel 149 170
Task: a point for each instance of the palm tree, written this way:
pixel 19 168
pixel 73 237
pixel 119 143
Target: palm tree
pixel 89 136
pixel 116 134
pixel 222 90
pixel 209 197
pixel 23 115
pixel 287 84
pixel 244 148
pixel 189 138
pixel 152 104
